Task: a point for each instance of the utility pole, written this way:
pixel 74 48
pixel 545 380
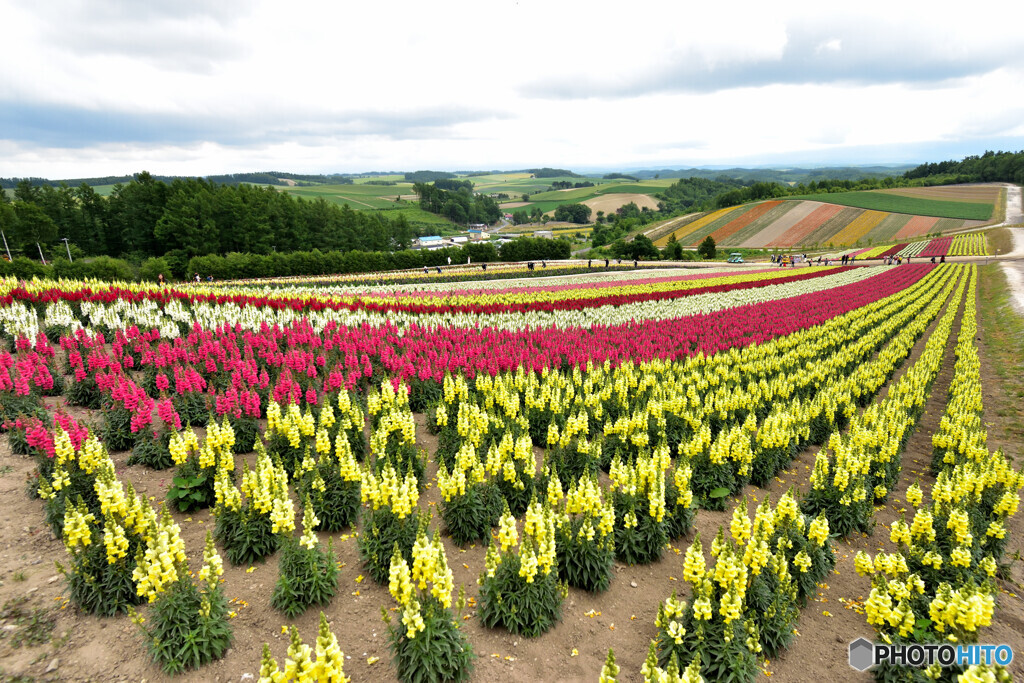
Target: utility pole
pixel 41 257
pixel 67 246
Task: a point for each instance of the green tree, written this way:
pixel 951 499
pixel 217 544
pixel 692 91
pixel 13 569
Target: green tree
pixel 642 247
pixel 31 226
pixel 573 213
pixel 91 229
pixel 135 209
pixel 707 248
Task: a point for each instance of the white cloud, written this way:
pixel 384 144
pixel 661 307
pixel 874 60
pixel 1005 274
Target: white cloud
pixel 94 88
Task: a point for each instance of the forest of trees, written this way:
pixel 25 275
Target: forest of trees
pixel 691 193
pixel 458 205
pixel 428 176
pixel 1001 167
pixel 187 217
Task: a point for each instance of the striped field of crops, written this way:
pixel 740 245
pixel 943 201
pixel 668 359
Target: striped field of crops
pixel 815 222
pixel 660 474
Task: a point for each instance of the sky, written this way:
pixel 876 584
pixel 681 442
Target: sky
pixel 191 87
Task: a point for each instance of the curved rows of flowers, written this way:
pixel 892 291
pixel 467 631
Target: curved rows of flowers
pixel 679 414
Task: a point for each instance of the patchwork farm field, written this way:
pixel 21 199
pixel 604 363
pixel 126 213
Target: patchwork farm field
pixel 841 219
pixel 726 472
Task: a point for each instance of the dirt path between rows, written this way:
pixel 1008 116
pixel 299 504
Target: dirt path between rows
pixel 1013 265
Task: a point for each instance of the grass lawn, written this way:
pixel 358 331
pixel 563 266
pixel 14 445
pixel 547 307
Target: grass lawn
pixel 356 196
pixel 1002 332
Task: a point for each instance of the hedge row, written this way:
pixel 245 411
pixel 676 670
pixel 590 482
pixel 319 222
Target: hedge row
pixel 246 266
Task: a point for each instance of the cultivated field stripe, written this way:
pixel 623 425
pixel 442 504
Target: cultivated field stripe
pixel 696 236
pixel 798 232
pixel 887 229
pixel 947 224
pixel 760 224
pixel 977 194
pixel 681 233
pixel 660 233
pixel 799 211
pixel 825 232
pixel 734 226
pixel 917 225
pixel 859 227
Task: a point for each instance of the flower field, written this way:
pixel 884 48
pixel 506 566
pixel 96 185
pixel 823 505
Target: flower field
pixel 652 474
pixel 796 223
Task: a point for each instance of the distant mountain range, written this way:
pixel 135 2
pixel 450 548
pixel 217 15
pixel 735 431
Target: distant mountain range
pixel 282 178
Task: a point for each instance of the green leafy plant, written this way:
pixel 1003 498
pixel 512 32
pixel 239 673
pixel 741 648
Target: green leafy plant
pixel 190 624
pixel 85 394
pixel 333 485
pixel 102 561
pixel 520 591
pixel 585 536
pixel 307 574
pixel 116 429
pixel 246 430
pixel 193 408
pixel 427 642
pixel 471 508
pixel 191 490
pixel 249 529
pixel 151 450
pixel 392 520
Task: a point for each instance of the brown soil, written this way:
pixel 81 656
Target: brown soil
pixel 110 649
pixel 609 203
pixel 952 193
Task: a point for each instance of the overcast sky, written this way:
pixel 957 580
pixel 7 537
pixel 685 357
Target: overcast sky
pixel 110 87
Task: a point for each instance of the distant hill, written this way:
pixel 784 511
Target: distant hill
pixel 787 176
pixel 261 178
pixel 790 176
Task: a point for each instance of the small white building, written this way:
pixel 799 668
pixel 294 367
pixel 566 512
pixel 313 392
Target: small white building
pixel 460 239
pixel 546 234
pixel 430 242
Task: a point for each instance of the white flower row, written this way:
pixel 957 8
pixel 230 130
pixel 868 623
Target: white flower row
pixel 20 319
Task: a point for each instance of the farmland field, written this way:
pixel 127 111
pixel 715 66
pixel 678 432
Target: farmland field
pixel 899 203
pixel 660 440
pixel 356 196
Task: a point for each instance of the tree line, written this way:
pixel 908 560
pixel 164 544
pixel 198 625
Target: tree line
pixel 296 263
pixel 185 218
pixel 258 178
pixel 990 167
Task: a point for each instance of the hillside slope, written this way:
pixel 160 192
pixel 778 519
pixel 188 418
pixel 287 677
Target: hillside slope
pixel 815 222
